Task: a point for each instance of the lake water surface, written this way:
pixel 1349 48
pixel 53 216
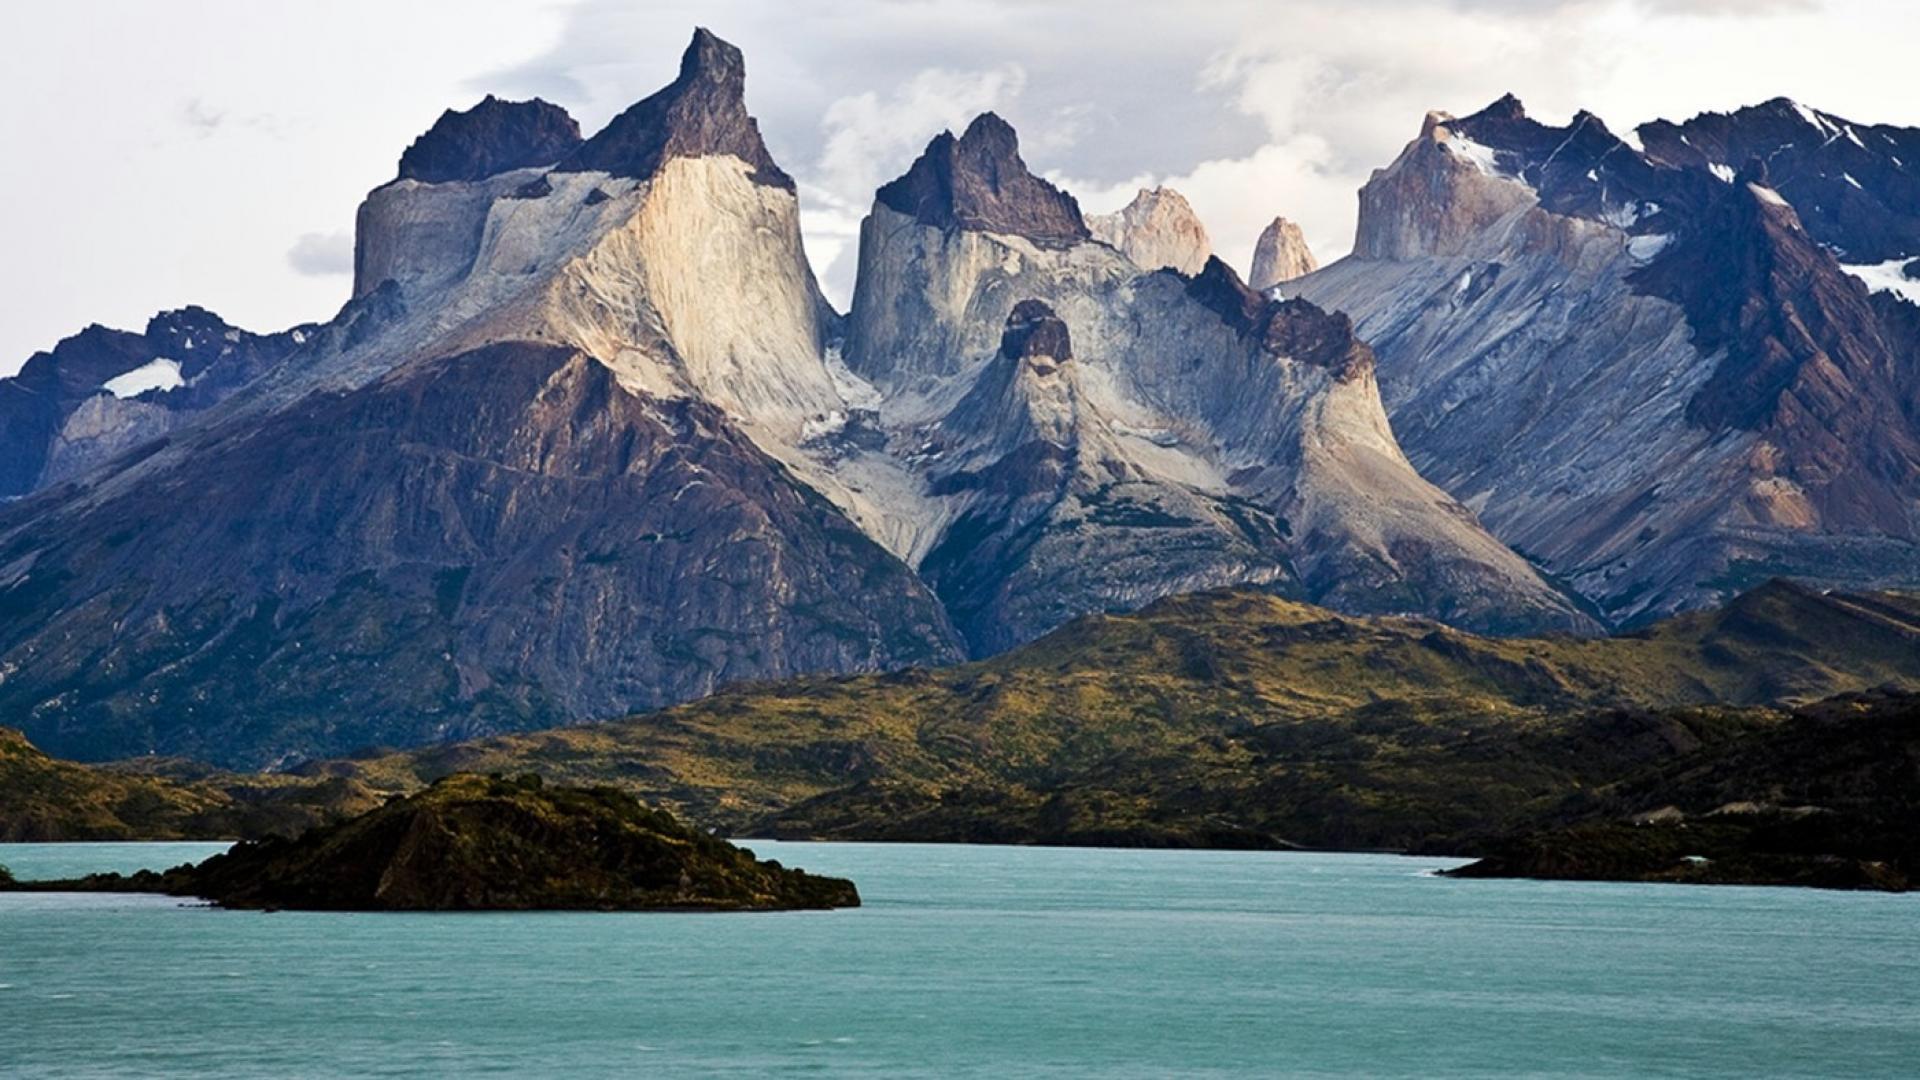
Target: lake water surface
pixel 980 961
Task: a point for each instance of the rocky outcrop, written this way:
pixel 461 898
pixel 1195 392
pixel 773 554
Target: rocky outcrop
pixel 978 183
pixel 1157 230
pixel 473 843
pixel 1053 514
pixel 493 137
pixel 702 113
pixel 1651 379
pixel 1280 255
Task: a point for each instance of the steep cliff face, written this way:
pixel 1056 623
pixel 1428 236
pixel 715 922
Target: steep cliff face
pixel 1204 435
pixel 1652 378
pixel 1157 230
pixel 1280 255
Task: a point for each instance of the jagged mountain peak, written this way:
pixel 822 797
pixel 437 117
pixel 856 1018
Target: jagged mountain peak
pixel 492 137
pixel 1280 255
pixel 1219 289
pixel 978 182
pixel 1857 186
pixel 1507 107
pixel 1157 229
pixel 1302 331
pixel 1460 177
pixel 702 113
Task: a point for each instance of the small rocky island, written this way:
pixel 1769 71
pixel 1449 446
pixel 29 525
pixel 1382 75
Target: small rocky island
pixel 1710 852
pixel 479 843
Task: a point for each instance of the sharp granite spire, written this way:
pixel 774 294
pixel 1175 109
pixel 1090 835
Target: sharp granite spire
pixel 979 183
pixel 702 113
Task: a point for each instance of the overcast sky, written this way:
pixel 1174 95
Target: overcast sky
pixel 213 151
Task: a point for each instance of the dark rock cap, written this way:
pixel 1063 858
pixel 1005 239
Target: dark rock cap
pixel 1307 333
pixel 979 183
pixel 490 138
pixel 702 113
pixel 1507 108
pixel 1295 329
pixel 1218 289
pixel 1034 330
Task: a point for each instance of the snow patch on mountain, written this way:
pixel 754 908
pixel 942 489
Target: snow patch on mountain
pixel 157 374
pixel 1888 277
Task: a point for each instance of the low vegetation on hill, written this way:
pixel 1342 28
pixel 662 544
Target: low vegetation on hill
pixel 44 798
pixel 1237 719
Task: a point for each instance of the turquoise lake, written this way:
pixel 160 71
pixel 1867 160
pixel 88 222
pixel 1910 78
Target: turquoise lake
pixel 980 961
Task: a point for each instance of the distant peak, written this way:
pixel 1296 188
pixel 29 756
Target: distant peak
pixel 1590 121
pixel 979 183
pixel 990 126
pixel 1507 108
pixel 1218 289
pixel 1280 255
pixel 1158 228
pixel 709 59
pixel 702 113
pixel 492 137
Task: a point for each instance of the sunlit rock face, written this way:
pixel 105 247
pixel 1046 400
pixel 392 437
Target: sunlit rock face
pixel 1157 230
pixel 1649 371
pixel 1280 255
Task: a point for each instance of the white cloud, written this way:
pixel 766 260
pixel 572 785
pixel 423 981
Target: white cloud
pixel 322 254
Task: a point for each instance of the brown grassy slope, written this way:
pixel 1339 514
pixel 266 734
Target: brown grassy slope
pixel 1222 717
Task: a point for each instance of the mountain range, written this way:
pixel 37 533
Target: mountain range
pixel 1665 372
pixel 587 439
